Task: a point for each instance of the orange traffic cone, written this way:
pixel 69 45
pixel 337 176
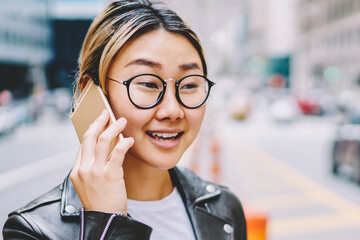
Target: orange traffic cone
pixel 215 153
pixel 256 221
pixel 194 160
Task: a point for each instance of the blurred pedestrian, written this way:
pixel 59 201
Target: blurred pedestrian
pixel 137 192
pixel 5 97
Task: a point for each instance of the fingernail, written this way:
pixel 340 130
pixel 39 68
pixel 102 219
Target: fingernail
pixel 103 113
pixel 121 120
pixel 121 137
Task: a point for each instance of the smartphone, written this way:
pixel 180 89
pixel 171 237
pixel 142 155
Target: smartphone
pixel 88 107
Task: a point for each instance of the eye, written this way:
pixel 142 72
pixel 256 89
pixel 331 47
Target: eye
pixel 189 86
pixel 148 85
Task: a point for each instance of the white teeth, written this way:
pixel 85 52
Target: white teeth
pixel 165 135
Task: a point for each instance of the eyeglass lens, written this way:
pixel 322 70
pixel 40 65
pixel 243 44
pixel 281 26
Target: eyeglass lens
pixel 146 90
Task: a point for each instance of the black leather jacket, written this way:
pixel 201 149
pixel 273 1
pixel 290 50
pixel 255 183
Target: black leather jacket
pixel 214 212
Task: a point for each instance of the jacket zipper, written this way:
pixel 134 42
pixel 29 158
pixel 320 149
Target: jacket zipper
pixel 206 205
pixel 82 224
pixel 107 226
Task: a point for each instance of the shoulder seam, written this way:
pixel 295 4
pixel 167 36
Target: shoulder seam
pixel 37 231
pixel 40 201
pixel 28 209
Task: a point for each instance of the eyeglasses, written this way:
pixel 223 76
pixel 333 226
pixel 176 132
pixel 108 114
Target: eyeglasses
pixel 147 90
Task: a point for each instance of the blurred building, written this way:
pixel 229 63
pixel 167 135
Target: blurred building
pixel 25 49
pixel 268 41
pixel 70 21
pixel 218 25
pixel 40 42
pixel 328 47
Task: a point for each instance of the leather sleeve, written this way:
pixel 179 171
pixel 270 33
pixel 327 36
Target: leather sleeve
pixel 16 227
pixel 238 214
pixel 99 225
pixel 228 206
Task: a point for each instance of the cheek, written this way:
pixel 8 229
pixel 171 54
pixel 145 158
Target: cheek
pixel 120 103
pixel 195 118
pixel 136 119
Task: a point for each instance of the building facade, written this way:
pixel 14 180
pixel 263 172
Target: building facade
pixel 269 40
pixel 328 45
pixel 40 41
pixel 25 37
pixel 70 21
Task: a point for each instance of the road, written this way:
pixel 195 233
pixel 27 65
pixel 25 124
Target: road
pixel 281 169
pixel 303 202
pixel 35 158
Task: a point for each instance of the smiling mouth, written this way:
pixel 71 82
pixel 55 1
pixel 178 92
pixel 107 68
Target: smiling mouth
pixel 164 136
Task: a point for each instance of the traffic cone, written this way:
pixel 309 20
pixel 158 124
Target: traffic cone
pixel 256 221
pixel 194 160
pixel 215 153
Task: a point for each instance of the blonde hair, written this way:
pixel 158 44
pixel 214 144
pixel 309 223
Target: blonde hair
pixel 118 23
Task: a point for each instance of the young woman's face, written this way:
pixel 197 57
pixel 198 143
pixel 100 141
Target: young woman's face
pixel 166 55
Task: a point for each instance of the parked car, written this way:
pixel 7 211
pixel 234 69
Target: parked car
pixel 7 120
pixel 240 105
pixel 61 101
pixel 284 110
pixel 309 106
pixel 346 152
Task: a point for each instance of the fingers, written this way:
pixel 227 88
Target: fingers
pixel 77 163
pixel 118 154
pixel 97 146
pixel 77 160
pixel 106 141
pixel 98 181
pixel 90 138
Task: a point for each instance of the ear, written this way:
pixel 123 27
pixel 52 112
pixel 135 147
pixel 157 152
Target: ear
pixel 84 80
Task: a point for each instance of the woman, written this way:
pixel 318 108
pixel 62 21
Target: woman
pixel 151 67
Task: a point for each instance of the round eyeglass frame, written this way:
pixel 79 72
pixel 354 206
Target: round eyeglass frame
pixel 162 93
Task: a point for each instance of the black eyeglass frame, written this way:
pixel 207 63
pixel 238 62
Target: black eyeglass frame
pixel 160 97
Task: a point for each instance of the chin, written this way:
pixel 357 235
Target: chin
pixel 163 162
pixel 156 159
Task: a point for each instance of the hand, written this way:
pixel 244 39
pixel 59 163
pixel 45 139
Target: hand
pixel 97 177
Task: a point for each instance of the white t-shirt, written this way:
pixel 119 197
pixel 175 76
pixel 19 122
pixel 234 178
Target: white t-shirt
pixel 167 217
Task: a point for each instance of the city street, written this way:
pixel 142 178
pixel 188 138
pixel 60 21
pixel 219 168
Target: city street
pixel 287 86
pixel 286 173
pixel 280 169
pixel 35 158
pixel 283 171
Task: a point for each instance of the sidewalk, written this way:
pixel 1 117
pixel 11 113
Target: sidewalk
pixel 298 207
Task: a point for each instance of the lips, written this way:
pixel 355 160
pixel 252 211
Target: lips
pixel 161 136
pixel 165 139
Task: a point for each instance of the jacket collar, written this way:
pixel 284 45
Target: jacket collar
pixel 192 189
pixel 70 202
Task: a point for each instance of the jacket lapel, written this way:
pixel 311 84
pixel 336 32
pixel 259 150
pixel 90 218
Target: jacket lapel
pixel 70 203
pixel 196 194
pixel 208 226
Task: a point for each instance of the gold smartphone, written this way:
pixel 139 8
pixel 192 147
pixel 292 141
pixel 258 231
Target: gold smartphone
pixel 88 107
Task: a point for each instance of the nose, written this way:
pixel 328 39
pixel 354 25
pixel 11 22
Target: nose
pixel 170 108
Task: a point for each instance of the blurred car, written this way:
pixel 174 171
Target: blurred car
pixel 309 106
pixel 61 101
pixel 240 105
pixel 317 102
pixel 7 120
pixel 284 110
pixel 346 152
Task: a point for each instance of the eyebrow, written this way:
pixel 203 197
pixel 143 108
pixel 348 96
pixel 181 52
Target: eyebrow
pixel 189 66
pixel 145 62
pixel 153 64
